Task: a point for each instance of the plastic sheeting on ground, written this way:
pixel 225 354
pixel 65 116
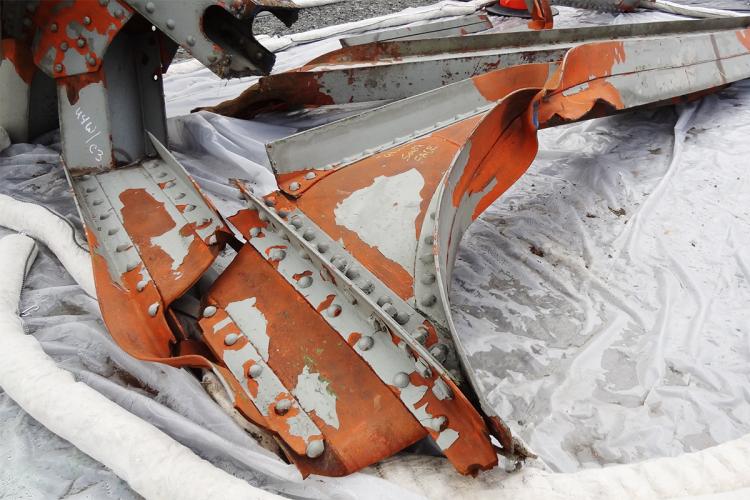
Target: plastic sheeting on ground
pixel 604 298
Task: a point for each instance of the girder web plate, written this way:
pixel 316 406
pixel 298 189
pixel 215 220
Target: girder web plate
pixel 401 363
pixel 152 235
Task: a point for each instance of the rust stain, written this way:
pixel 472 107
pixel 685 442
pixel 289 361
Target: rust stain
pixel 145 218
pixel 744 37
pixel 326 303
pixel 125 314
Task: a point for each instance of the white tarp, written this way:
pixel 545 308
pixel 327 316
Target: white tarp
pixel 604 298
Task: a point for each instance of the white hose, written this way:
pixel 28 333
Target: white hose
pixel 152 463
pixel 687 10
pixel 52 230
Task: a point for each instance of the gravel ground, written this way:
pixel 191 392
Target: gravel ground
pixel 327 15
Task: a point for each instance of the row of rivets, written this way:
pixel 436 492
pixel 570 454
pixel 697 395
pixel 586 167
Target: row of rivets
pixel 340 262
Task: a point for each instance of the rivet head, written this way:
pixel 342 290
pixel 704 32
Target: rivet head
pixel 64 46
pixel 53 28
pixel 315 449
pixel 352 274
pixel 190 40
pixel 429 301
pixel 91 60
pixel 322 247
pixel 255 371
pixel 153 309
pixel 428 279
pixel 103 3
pixel 333 310
pixel 276 254
pixel 365 343
pixel 150 7
pixel 112 231
pixel 254 232
pixel 189 208
pixel 310 176
pixel 294 186
pixel 81 42
pixel 429 239
pixel 209 311
pixel 282 407
pixel 123 247
pixel 305 281
pixel 401 380
pixel 58 68
pixel 389 309
pixel 170 24
pixel 132 265
pixel 212 58
pixel 368 287
pixel 91 189
pixel 383 300
pixel 141 285
pixel 231 339
pixel 86 20
pixel 308 235
pixel 96 203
